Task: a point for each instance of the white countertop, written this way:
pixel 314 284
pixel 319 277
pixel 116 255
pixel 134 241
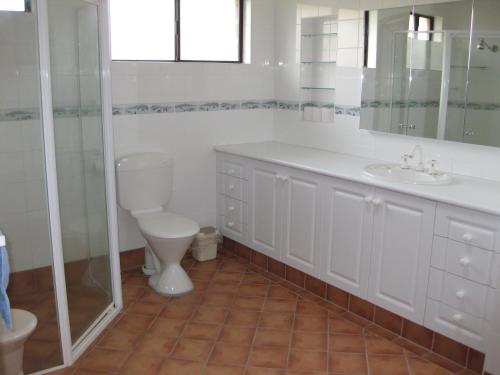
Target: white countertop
pixel 467 192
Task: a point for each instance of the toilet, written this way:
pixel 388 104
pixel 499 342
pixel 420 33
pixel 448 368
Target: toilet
pixel 144 183
pixel 12 341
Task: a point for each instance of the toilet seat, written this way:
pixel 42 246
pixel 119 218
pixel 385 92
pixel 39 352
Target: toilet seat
pixel 167 225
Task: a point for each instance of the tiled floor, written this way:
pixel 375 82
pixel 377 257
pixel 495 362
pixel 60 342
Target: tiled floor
pixel 239 322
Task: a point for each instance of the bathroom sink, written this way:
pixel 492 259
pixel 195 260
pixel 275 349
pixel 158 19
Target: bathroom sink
pixel 394 173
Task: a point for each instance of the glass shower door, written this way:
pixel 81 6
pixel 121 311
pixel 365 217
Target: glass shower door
pixel 78 127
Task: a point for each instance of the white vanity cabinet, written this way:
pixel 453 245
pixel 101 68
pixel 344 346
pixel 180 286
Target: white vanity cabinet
pixel 284 214
pixel 403 228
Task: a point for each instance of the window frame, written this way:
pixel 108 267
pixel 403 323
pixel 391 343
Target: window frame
pixel 416 23
pixel 177 31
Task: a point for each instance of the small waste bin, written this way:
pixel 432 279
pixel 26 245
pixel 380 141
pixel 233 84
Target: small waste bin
pixel 205 243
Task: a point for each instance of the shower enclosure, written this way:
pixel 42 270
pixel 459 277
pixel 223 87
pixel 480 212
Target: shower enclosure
pixel 57 193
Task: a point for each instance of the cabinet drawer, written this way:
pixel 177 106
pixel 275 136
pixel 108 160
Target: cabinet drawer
pixel 464 295
pixel 233 209
pixel 466 261
pixel 233 187
pixel 467 226
pixel 233 226
pixel 232 168
pixel 455 324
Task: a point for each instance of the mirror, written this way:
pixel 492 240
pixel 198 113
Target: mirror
pixel 427 74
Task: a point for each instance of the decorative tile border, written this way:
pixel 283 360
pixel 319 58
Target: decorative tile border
pixel 480 106
pixel 59 112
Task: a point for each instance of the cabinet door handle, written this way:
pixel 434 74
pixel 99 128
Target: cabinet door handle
pixel 460 294
pixel 465 261
pixel 282 177
pixel 230 187
pixel 230 171
pixel 230 224
pixel 368 200
pixel 230 208
pixel 467 237
pixel 457 317
pixel 377 202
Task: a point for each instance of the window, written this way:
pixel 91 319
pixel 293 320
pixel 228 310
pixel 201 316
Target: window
pixel 14 5
pixel 177 30
pixel 424 24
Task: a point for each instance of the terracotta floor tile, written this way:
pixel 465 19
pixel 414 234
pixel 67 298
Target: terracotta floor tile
pixel 375 330
pixel 248 303
pixel 268 357
pixel 156 345
pixel 225 276
pixel 201 274
pixel 152 297
pixel 343 326
pixel 255 278
pixel 230 287
pixel 379 345
pixel 176 310
pixel 267 337
pixel 347 344
pixel 212 369
pixel 282 305
pixel 119 340
pixel 443 362
pixel 276 320
pixel 310 341
pixel 311 323
pixel 347 363
pixel 263 371
pixel 134 323
pixel 210 314
pixel 255 290
pixel 142 364
pixel 243 318
pixel 229 354
pixel 310 308
pixel 192 350
pixel 104 359
pixel 387 364
pixel 410 346
pixel 180 367
pixel 145 308
pixel 201 331
pixel 218 299
pixel 200 285
pixel 277 291
pixel 167 327
pixel 193 298
pixel 301 360
pixel 237 335
pixel 420 366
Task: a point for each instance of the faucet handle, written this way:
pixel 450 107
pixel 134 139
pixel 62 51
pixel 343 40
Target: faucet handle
pixel 433 167
pixel 404 161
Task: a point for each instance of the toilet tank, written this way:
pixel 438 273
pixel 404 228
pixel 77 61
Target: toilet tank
pixel 144 181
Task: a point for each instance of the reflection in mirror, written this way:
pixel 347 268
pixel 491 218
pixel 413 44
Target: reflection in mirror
pixel 426 76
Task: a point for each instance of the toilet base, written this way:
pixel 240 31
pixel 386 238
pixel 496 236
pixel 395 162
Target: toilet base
pixel 171 281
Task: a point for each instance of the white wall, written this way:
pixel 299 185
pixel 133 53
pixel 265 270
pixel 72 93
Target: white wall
pixel 344 134
pixel 189 137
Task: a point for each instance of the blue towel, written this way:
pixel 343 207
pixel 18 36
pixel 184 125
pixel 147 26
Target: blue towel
pixel 4 283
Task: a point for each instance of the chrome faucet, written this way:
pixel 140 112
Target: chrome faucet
pixel 418 150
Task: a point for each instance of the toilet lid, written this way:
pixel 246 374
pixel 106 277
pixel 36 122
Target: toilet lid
pixel 167 225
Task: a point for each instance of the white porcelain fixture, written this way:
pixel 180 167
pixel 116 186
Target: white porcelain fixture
pixel 144 188
pixel 12 341
pixel 396 173
pixel 429 255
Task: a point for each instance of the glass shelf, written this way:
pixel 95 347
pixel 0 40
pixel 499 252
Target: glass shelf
pixel 318 35
pixel 317 88
pixel 318 62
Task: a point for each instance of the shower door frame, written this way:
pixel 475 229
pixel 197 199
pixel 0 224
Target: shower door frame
pixel 69 350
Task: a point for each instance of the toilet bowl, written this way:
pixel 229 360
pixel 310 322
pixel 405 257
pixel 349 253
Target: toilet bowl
pixel 12 341
pixel 144 183
pixel 169 237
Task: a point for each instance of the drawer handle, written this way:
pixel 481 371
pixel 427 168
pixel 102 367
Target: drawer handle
pixel 460 294
pixel 368 200
pixel 230 187
pixel 230 224
pixel 457 317
pixel 230 208
pixel 282 177
pixel 465 261
pixel 230 171
pixel 467 237
pixel 377 202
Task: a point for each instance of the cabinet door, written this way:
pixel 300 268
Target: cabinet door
pixel 301 222
pixel 264 208
pixel 347 236
pixel 402 244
